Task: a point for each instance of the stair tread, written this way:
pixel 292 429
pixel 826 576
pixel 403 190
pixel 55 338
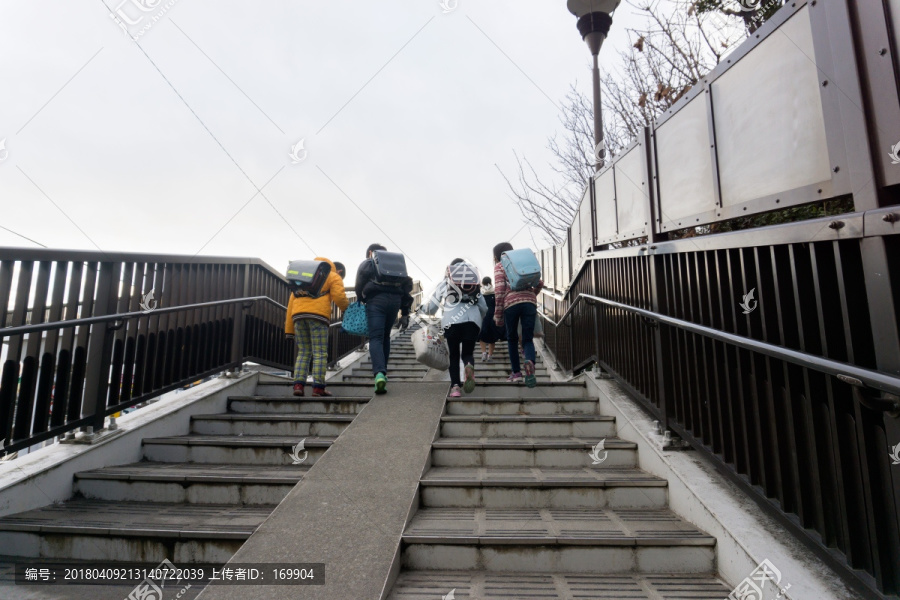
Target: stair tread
pixel 527 442
pixel 620 527
pixel 540 477
pixel 335 386
pixel 199 473
pixel 267 417
pixel 290 398
pixel 197 439
pixel 141 519
pixel 487 585
pixel 289 384
pixel 526 418
pixel 477 398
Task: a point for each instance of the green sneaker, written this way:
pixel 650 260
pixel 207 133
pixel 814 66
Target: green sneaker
pixel 530 378
pixel 469 385
pixel 380 384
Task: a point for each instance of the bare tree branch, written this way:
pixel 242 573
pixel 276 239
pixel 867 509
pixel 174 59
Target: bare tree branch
pixel 680 42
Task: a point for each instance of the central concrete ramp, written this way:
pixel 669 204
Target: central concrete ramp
pixel 351 508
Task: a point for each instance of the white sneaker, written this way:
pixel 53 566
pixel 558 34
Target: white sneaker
pixel 484 356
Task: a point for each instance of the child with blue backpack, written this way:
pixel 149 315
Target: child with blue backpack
pixel 511 307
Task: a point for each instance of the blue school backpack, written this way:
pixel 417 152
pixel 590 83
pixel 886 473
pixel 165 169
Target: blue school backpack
pixel 355 321
pixel 523 271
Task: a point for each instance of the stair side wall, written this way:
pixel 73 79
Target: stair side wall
pixel 47 476
pixel 698 493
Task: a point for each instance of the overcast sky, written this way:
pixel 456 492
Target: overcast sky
pixel 160 145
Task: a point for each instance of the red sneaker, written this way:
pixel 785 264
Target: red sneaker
pixel 298 389
pixel 320 392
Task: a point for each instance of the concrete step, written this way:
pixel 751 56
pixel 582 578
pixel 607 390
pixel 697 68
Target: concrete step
pixel 513 426
pixel 296 425
pixel 262 450
pixel 544 389
pixel 499 488
pixel 500 356
pixel 418 372
pixel 410 357
pixel 190 483
pixel 407 345
pixel 571 452
pixel 588 585
pixel 285 390
pixel 131 531
pixel 480 368
pixel 557 541
pixel 476 404
pixel 338 405
pixel 393 377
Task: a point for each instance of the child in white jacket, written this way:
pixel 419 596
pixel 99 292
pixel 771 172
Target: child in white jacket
pixel 464 308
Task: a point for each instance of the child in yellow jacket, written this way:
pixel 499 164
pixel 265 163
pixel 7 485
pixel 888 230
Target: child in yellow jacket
pixel 307 322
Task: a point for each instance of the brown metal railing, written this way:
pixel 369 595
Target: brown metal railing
pixel 789 400
pixel 82 338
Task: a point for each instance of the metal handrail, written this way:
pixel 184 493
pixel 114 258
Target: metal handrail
pixel 21 329
pixel 847 373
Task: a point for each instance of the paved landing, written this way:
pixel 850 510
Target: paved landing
pixel 350 509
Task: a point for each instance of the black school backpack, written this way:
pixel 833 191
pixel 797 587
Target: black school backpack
pixel 390 268
pixel 308 276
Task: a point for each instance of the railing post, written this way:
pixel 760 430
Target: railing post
pixel 657 304
pixel 571 346
pixel 96 384
pixel 555 339
pixel 596 336
pixel 240 319
pixel 662 370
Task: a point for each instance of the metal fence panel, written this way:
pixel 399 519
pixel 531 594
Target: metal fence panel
pixel 575 243
pixel 768 115
pixel 632 193
pixel 605 200
pixel 559 284
pixel 685 166
pixel 586 218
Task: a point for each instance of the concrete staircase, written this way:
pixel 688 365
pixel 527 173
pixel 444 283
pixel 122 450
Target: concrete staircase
pixel 512 504
pixel 402 365
pixel 196 497
pixel 514 507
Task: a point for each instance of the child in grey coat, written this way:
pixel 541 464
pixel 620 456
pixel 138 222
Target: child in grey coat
pixel 464 309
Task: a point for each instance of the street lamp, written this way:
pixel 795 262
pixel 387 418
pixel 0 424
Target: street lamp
pixel 594 20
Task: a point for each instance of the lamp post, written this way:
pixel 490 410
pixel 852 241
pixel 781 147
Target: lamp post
pixel 594 21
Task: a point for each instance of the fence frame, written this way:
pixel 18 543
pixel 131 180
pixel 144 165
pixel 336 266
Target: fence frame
pixel 670 306
pixel 77 324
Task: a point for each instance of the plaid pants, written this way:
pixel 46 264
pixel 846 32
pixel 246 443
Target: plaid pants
pixel 312 342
